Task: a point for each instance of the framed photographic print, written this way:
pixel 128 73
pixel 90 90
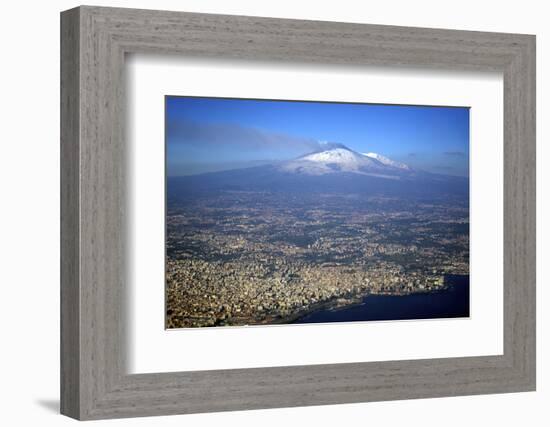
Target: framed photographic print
pixel 282 228
pixel 262 213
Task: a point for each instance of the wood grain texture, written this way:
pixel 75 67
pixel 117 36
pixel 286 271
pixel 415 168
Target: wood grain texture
pixel 94 381
pixel 70 259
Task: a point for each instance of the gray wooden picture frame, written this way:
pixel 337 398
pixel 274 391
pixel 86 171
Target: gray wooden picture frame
pixel 94 381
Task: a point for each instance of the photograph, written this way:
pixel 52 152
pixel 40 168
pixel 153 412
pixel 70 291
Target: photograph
pixel 297 212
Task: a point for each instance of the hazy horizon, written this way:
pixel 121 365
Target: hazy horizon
pixel 215 134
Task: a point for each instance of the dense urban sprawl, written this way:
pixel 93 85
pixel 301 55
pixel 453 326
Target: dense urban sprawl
pixel 243 258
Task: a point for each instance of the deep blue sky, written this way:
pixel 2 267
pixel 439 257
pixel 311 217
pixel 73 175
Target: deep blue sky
pixel 207 134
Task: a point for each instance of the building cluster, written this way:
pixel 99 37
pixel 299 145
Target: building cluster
pixel 267 260
pixel 201 293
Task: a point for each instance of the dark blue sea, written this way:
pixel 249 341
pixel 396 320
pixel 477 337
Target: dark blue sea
pixel 451 302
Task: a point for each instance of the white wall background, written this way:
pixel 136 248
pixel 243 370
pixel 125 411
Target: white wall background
pixel 29 213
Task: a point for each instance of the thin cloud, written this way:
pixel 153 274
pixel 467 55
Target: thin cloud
pixel 200 134
pixel 454 153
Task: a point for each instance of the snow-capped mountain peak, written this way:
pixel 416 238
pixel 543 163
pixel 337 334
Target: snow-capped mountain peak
pixel 341 156
pixel 340 159
pixel 332 168
pixel 386 161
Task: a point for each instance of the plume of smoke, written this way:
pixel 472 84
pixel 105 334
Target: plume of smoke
pixel 193 133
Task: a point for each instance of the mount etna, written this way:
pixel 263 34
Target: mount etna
pixel 337 169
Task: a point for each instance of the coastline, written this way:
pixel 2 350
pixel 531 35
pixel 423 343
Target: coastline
pixel 348 301
pixel 331 304
pixel 457 290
